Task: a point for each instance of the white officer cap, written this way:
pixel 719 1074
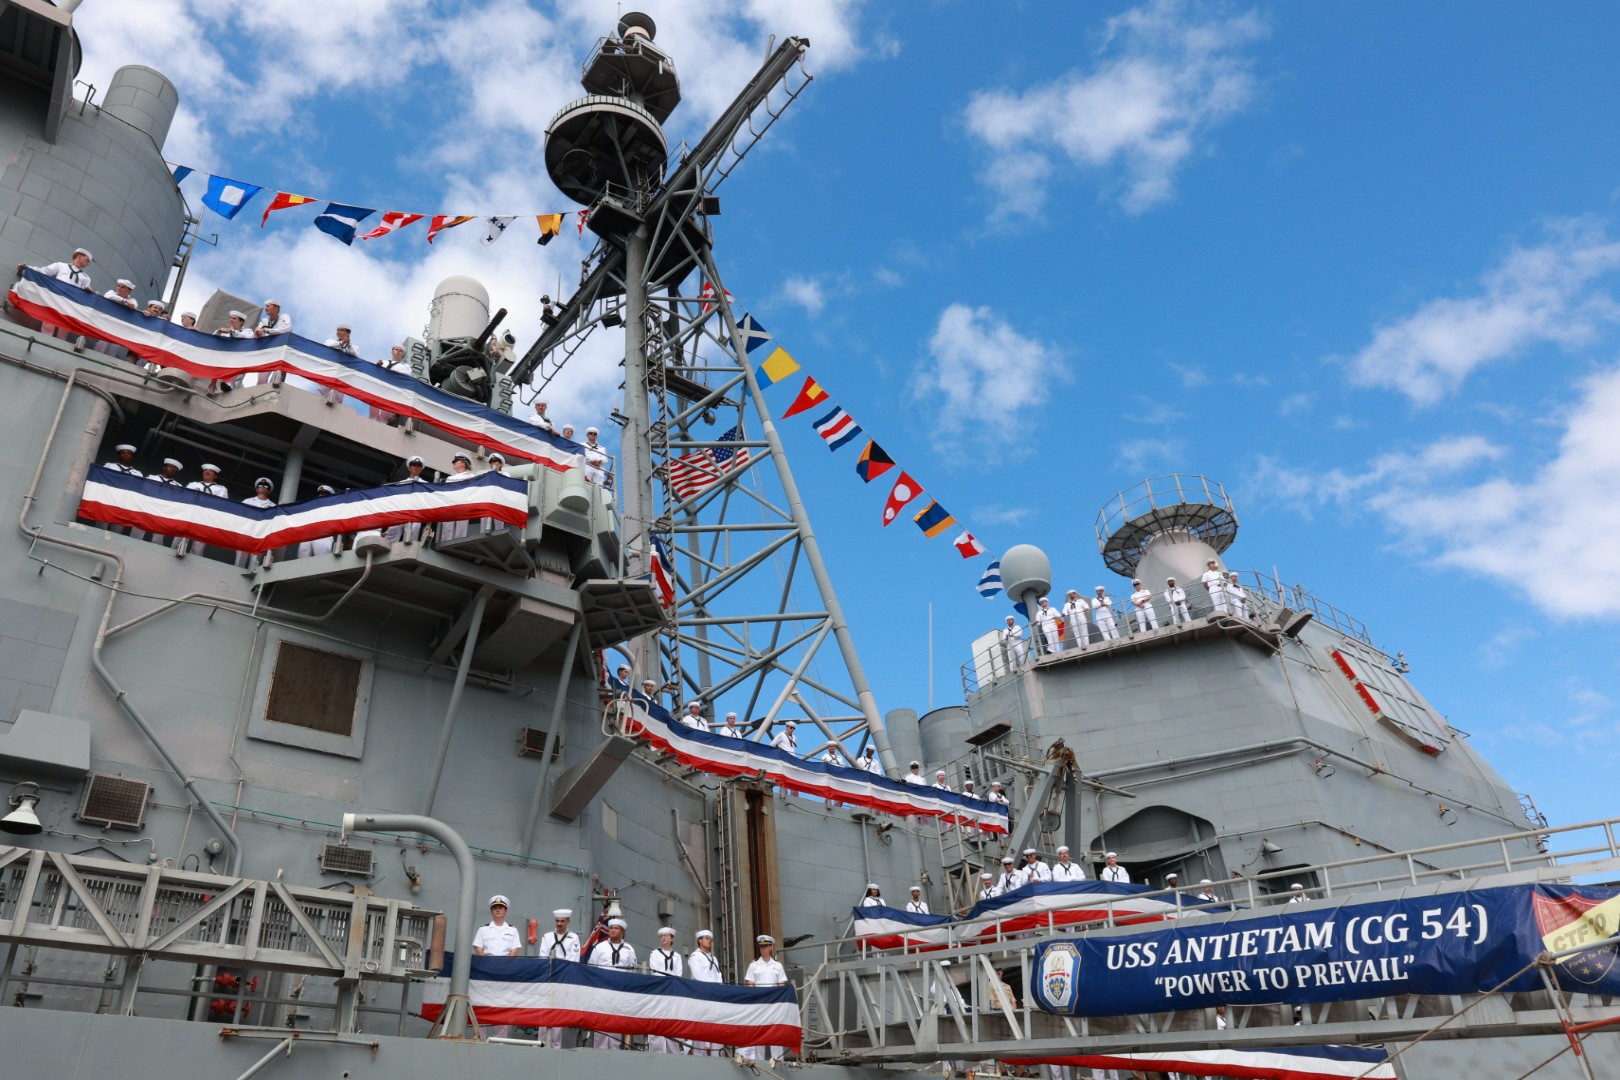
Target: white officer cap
pixel 415 459
pixel 870 885
pixel 1111 855
pixel 764 939
pixel 701 934
pixel 121 447
pixel 238 315
pixel 263 481
pixel 1136 581
pixel 172 461
pixel 620 923
pixel 345 326
pixel 327 489
pixel 272 303
pixel 82 251
pixel 498 899
pixel 1062 848
pixel 916 764
pixel 1030 851
pixel 210 467
pixel 563 913
pixel 1297 887
pixel 915 888
pixel 461 455
pixel 662 930
pixel 1206 881
pixel 126 283
pixel 1006 859
pixel 498 456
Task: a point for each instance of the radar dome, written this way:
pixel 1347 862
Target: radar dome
pixel 1025 569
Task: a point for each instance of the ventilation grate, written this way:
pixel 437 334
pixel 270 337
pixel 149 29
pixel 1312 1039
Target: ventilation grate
pixel 532 743
pixel 114 801
pixel 343 859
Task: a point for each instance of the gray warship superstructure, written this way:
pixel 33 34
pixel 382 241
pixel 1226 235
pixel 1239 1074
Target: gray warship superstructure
pixel 192 749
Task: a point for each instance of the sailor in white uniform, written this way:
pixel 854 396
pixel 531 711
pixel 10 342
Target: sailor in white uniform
pixel 208 485
pixel 273 321
pixel 343 343
pixel 729 728
pixel 169 474
pixel 987 887
pixel 125 463
pixel 996 795
pixel 561 944
pixel 1012 643
pixel 766 971
pixel 1102 614
pixel 915 776
pixel 615 952
pixel 460 472
pixel 786 739
pixel 1066 870
pixel 1033 869
pixel 1112 871
pixel 497 938
pixel 1175 598
pixel 415 470
pixel 693 716
pixel 703 966
pixel 1075 612
pixel 541 420
pixel 869 761
pixel 939 781
pixel 917 905
pixel 1046 617
pixel 1010 877
pixel 262 487
pixel 1142 607
pixel 967 790
pixel 831 756
pixel 237 327
pixel 1215 584
pixel 873 897
pixel 323 545
pixel 1296 893
pixel 497 464
pixel 75 271
pixel 1206 892
pixel 665 961
pixel 1236 598
pixel 122 293
pixel 595 459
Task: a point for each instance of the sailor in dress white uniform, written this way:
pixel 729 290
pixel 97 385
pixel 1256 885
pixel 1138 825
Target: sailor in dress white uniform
pixel 498 938
pixel 1142 607
pixel 915 776
pixel 75 271
pixel 702 966
pixel 1236 598
pixel 561 944
pixel 1075 612
pixel 208 485
pixel 665 961
pixel 1215 584
pixel 1102 614
pixel 615 952
pixel 1064 870
pixel 1112 871
pixel 262 487
pixel 1046 617
pixel 917 905
pixel 1175 598
pixel 766 971
pixel 322 545
pixel 786 739
pixel 1033 869
pixel 1012 643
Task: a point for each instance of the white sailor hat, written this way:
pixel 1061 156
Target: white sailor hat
pixel 1006 859
pixel 84 252
pixel 461 455
pixel 764 939
pixel 1169 581
pixel 967 783
pixel 1172 876
pixel 263 481
pixel 174 462
pixel 944 963
pixel 563 913
pixel 731 716
pixel 188 314
pixel 1111 855
pixel 662 930
pixel 1043 600
pixel 209 466
pixel 1062 848
pixel 415 459
pixel 498 456
pixel 939 772
pixel 1213 562
pixel 792 723
pixel 915 888
pixel 121 447
pixel 703 934
pixel 272 303
pixel 328 488
pixel 592 431
pixel 1030 851
pixel 620 923
pixel 694 703
pixel 160 305
pixel 499 899
pixel 648 682
pixel 1297 887
pixel 125 283
pixel 870 885
pixel 238 315
pixel 1100 588
pixel 995 783
pixel 1206 882
pixel 345 326
pixel 987 877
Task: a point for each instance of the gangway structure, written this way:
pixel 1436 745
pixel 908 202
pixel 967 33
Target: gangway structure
pixel 872 1006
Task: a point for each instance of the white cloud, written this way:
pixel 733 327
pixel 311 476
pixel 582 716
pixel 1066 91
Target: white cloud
pixel 1295 403
pixel 806 292
pixel 1536 295
pixel 997 514
pixel 1140 456
pixel 1162 77
pixel 1192 375
pixel 1541 533
pixel 988 374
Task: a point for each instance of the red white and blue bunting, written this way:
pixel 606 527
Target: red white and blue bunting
pixel 726 756
pixel 563 993
pixel 120 499
pixel 59 304
pixel 1271 1063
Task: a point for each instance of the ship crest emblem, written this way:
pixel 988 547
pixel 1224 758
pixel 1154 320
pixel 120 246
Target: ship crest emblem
pixel 1572 920
pixel 1059 975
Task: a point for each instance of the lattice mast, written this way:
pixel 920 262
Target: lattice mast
pixel 685 365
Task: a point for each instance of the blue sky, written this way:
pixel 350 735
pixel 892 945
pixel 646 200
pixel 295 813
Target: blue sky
pixel 1360 264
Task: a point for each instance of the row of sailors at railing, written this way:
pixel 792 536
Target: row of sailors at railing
pixel 1056 627
pixel 498 937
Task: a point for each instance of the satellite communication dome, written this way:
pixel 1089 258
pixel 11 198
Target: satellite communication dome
pixel 1025 569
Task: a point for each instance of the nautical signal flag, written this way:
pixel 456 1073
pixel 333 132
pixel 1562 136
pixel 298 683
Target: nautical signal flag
pixel 282 201
pixel 753 334
pixel 968 546
pixel 341 222
pixel 809 397
pixel 550 227
pixel 226 197
pixel 905 489
pixel 990 583
pixel 933 519
pixel 495 228
pixel 838 428
pixel 441 222
pixel 391 220
pixel 874 462
pixel 777 366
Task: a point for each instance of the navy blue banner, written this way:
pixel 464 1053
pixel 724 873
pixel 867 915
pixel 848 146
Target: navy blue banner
pixel 1455 943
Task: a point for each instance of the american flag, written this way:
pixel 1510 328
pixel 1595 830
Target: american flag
pixel 692 473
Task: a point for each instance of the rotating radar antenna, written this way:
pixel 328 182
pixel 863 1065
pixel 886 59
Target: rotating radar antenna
pixel 1172 523
pixel 702 469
